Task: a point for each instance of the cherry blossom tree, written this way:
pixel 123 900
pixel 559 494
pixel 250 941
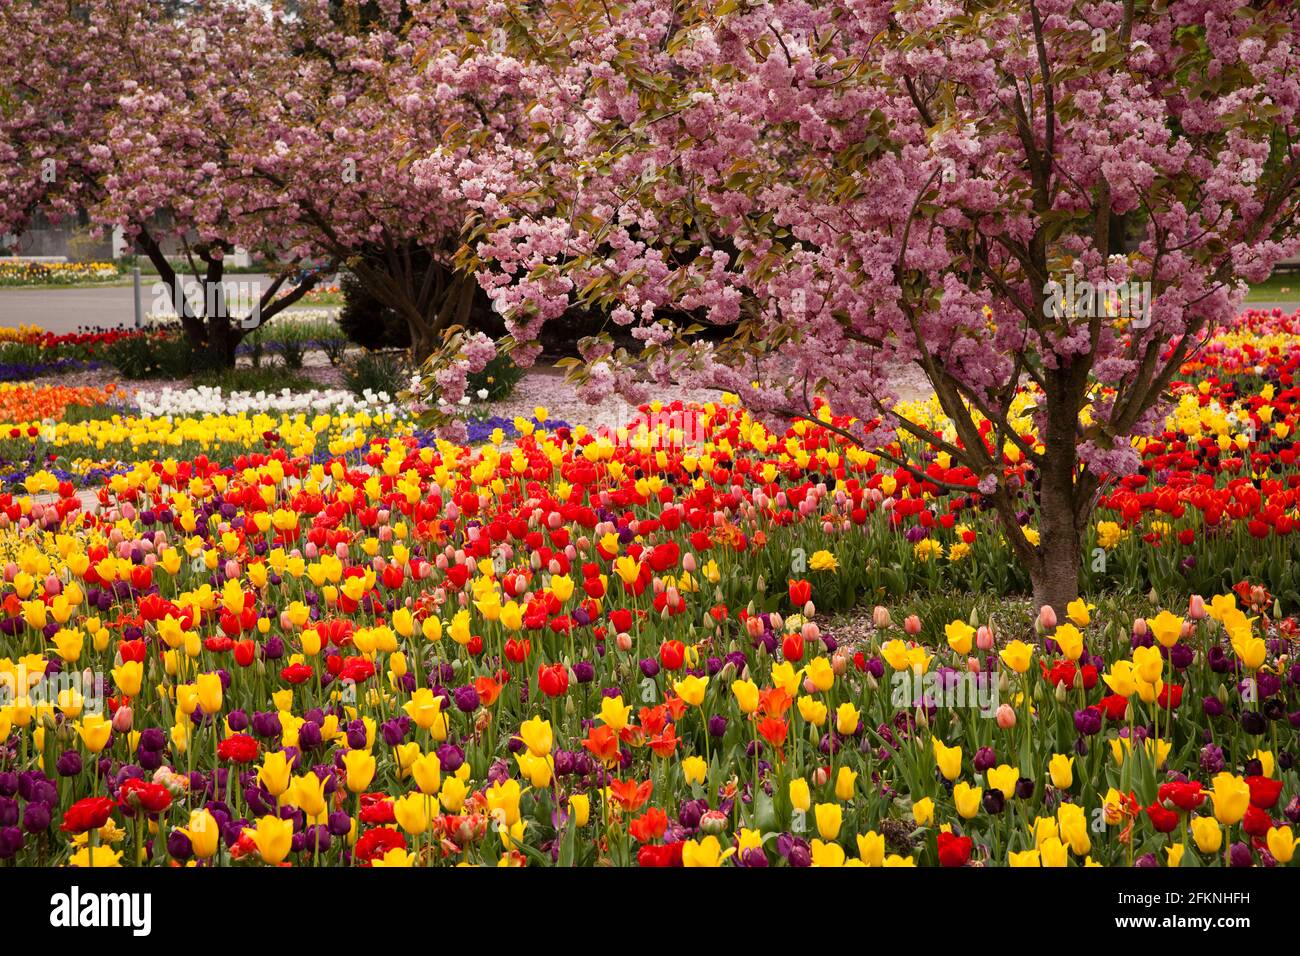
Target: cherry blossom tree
pixel 854 187
pixel 124 109
pixel 56 93
pixel 175 158
pixel 364 96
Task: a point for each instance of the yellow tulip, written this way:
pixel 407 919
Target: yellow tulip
pixel 707 852
pixel 396 857
pixel 746 693
pixel 1281 843
pixel 424 708
pixel 847 718
pixel 1069 639
pixel 923 811
pixel 360 769
pixel 947 758
pixel 427 770
pixel 800 796
pixel 453 794
pixel 580 807
pixel 694 769
pixel 128 677
pixel 1003 778
pixel 94 732
pixel 827 854
pixel 308 794
pixel 1061 770
pixel 967 799
pixel 274 772
pixel 829 818
pixel 1053 853
pixel 871 848
pixel 614 713
pixel 960 635
pixel 537 736
pixel 691 689
pixel 412 812
pixel 209 692
pixel 1166 628
pixel 821 673
pixel 1016 655
pixel 846 782
pixel 1231 797
pixel 1148 664
pixel 503 801
pixel 204 833
pixel 1074 828
pixel 1207 834
pixel 1079 611
pixel 812 710
pixel 273 838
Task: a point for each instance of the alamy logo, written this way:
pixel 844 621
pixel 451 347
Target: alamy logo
pixel 1080 299
pixel 212 299
pixel 74 909
pixel 946 689
pixel 65 689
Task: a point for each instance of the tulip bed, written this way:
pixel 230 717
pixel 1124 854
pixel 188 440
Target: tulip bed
pixel 329 638
pixel 27 273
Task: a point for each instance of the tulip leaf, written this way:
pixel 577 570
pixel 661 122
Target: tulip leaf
pixel 568 844
pixel 765 811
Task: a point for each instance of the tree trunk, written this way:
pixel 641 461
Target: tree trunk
pixel 1055 573
pixel 1056 579
pixel 223 340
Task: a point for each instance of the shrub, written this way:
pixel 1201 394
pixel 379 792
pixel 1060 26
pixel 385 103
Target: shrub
pixel 367 321
pixel 498 379
pixel 377 372
pixel 163 354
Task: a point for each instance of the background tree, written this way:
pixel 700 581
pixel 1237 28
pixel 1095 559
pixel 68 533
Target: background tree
pixel 363 96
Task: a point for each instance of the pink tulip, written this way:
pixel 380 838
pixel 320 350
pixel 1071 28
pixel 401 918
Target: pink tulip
pixel 123 718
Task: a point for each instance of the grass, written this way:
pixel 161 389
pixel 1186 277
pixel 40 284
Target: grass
pixel 266 378
pixel 1279 287
pixel 76 414
pixel 1012 615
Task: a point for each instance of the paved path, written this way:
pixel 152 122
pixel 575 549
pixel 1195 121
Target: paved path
pixel 67 310
pixel 63 310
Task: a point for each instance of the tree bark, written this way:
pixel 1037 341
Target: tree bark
pixel 1055 572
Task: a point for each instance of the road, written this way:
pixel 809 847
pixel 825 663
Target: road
pixel 67 310
pixel 64 310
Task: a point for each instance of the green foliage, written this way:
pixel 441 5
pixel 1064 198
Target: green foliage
pixel 377 372
pixel 366 321
pixel 267 378
pixel 165 354
pixel 498 378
